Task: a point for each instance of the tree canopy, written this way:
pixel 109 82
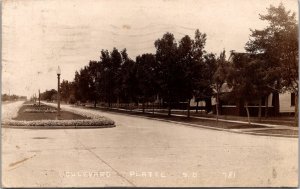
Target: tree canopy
pixel 278 43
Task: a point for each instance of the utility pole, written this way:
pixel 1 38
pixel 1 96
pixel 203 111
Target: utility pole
pixel 58 91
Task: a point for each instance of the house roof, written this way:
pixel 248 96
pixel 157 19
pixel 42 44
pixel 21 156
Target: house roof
pixel 224 89
pixel 249 55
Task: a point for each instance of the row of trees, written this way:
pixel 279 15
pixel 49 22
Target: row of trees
pixel 8 97
pixel 180 70
pixel 176 73
pixel 49 95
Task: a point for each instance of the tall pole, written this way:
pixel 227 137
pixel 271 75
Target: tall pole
pixel 58 94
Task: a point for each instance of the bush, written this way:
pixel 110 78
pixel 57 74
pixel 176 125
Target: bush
pixel 72 99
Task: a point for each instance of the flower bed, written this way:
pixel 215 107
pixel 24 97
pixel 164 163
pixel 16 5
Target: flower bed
pixel 50 123
pixel 31 110
pixel 90 122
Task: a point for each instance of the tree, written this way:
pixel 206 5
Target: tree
pixel 188 69
pixel 115 75
pixel 83 85
pixel 129 83
pixel 49 95
pixel 116 80
pixel 76 87
pixel 180 68
pixel 104 68
pixel 166 57
pixel 146 71
pixel 219 77
pixel 262 81
pixel 206 89
pixel 278 42
pixel 65 90
pixel 202 90
pixel 93 72
pixel 193 78
pixel 244 78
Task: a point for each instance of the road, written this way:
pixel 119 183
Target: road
pixel 145 152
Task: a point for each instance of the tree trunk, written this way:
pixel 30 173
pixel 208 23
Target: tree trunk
pixel 267 107
pixel 259 110
pixel 248 114
pixel 143 106
pixel 188 108
pixel 169 108
pixel 153 107
pixel 217 104
pixel 197 106
pixel 296 109
pixel 95 103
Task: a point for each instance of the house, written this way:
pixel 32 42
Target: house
pixel 287 103
pixel 272 104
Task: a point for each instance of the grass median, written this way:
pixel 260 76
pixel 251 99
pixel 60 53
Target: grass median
pixel 42 116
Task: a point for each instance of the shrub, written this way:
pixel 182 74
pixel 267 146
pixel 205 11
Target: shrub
pixel 72 99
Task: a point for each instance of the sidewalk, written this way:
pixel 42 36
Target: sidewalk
pixel 238 126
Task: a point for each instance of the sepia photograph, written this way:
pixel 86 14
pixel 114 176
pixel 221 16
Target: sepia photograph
pixel 139 93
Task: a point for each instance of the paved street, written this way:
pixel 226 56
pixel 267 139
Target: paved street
pixel 145 152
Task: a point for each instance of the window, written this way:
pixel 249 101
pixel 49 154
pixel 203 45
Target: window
pixel 292 99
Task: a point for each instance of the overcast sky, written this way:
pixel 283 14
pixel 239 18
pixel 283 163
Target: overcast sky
pixel 39 35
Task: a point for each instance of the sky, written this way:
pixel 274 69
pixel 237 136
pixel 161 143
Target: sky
pixel 40 35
